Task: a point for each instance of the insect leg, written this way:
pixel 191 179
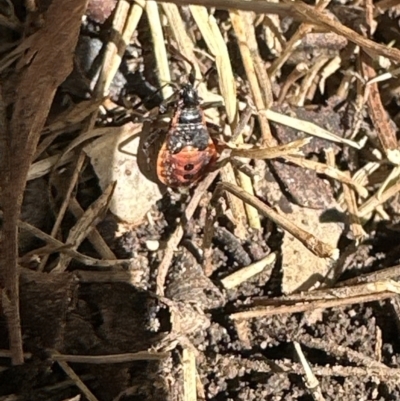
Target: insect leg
pixel 149 142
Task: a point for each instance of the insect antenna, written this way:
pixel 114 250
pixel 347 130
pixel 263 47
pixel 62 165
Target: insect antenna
pixel 179 56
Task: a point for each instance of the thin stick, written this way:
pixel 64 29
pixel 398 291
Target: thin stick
pixel 309 306
pixel 311 381
pixel 78 382
pixel 57 246
pixel 106 359
pixel 94 236
pixel 83 226
pixel 312 243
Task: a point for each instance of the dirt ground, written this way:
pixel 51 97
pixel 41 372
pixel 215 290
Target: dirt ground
pixel 274 277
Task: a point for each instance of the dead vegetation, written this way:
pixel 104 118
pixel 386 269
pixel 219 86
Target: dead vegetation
pixel 275 277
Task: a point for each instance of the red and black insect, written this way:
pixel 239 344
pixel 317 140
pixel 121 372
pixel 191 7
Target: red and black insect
pixel 188 151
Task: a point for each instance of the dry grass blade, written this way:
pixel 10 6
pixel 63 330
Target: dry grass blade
pixel 236 206
pixel 66 121
pixel 189 374
pixel 298 72
pixel 227 173
pixel 301 12
pixel 367 370
pixel 390 179
pixel 81 229
pixel 252 214
pixel 309 128
pixel 112 49
pixel 343 352
pixel 360 177
pixel 57 246
pixel 385 76
pixel 126 18
pixel 381 275
pixel 160 51
pixel 312 243
pixel 72 116
pixel 330 68
pixel 91 134
pixel 244 179
pixel 252 46
pixel 238 22
pixel 64 206
pixel 309 83
pixel 342 292
pixel 378 199
pixel 264 153
pixel 292 148
pixel 94 236
pixel 294 42
pixel 383 5
pixel 245 5
pixel 311 381
pixel 217 46
pixel 355 224
pixel 237 278
pixel 45 166
pixel 185 45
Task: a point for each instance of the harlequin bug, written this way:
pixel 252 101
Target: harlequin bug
pixel 188 151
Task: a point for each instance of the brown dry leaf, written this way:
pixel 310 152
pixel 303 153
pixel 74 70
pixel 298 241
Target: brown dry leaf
pixel 46 60
pixel 114 158
pixel 301 268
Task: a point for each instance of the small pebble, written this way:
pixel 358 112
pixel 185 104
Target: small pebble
pixel 152 245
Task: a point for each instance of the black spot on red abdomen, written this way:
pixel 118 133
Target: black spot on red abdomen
pixel 186 167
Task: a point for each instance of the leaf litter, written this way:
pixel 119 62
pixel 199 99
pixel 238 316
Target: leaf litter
pixel 289 245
